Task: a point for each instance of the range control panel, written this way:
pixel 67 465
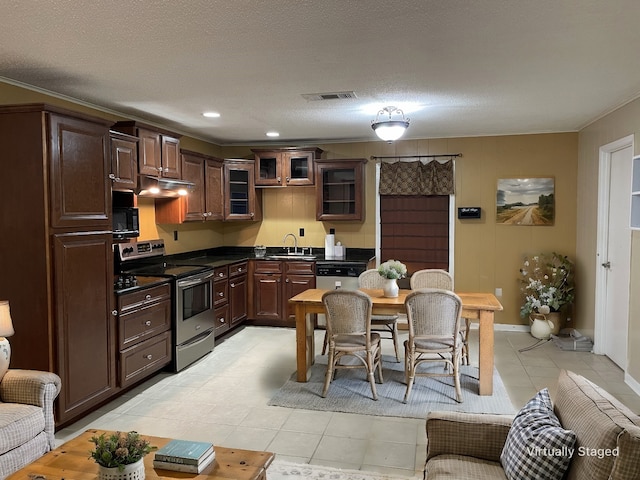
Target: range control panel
pixel 137 250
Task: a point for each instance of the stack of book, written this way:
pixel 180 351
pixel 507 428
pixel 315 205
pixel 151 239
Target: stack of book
pixel 184 456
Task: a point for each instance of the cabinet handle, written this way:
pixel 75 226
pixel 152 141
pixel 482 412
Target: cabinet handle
pixel 159 169
pixel 148 357
pixel 288 179
pixel 220 294
pixel 221 319
pixel 147 297
pixel 221 274
pixel 251 214
pixel 205 214
pixel 114 313
pixel 232 285
pixel 166 169
pixel 279 179
pixel 148 323
pixel 112 176
pixel 239 269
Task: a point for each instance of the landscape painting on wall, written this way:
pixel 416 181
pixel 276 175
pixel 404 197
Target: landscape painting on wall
pixel 525 201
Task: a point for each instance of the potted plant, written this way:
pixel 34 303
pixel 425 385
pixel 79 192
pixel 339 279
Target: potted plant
pixel 547 285
pixel 392 270
pixel 120 455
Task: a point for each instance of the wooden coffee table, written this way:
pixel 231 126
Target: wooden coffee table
pixel 71 461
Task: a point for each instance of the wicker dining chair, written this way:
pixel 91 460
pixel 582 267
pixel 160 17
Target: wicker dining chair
pixel 348 314
pixel 433 315
pixel 437 278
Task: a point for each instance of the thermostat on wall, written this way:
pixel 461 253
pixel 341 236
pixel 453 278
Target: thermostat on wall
pixel 469 212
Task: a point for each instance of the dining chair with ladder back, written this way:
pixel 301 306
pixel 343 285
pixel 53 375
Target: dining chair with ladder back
pixel 433 316
pixel 438 278
pixel 387 324
pixel 348 314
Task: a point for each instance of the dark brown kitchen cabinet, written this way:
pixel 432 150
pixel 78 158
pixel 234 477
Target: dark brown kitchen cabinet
pixel 85 329
pixel 204 201
pixel 60 245
pixel 144 337
pixel 241 199
pixel 238 293
pixel 221 299
pixel 274 283
pixel 79 167
pixel 158 150
pixel 340 189
pixel 267 288
pixel 285 166
pixel 124 161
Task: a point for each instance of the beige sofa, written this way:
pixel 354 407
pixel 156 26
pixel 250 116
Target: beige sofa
pixel 468 446
pixel 26 417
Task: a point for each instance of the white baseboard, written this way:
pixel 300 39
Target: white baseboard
pixel 632 382
pixel 505 327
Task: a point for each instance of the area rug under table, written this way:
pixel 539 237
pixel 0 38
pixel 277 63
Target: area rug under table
pixel 350 392
pixel 282 470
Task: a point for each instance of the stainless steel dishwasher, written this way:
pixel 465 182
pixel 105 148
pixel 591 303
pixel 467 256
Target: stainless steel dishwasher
pixel 330 275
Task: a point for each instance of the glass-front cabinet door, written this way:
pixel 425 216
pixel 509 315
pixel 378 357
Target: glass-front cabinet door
pixel 240 193
pixel 286 166
pixel 340 189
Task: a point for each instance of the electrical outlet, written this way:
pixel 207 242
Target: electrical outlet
pixel 175 235
pixel 338 284
pixel 302 232
pixel 498 292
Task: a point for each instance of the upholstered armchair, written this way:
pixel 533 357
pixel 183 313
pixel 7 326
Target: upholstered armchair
pixel 27 425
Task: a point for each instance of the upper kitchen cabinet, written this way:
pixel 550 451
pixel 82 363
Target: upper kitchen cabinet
pixel 340 189
pixel 285 166
pixel 158 150
pixel 124 161
pixel 241 199
pixel 205 200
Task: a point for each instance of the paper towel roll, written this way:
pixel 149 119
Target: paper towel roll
pixel 329 242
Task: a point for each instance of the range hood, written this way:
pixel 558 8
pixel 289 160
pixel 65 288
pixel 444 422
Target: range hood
pixel 160 187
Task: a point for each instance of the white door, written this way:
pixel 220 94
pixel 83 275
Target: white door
pixel 615 258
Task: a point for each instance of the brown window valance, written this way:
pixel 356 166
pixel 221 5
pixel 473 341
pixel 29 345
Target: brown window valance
pixel 416 178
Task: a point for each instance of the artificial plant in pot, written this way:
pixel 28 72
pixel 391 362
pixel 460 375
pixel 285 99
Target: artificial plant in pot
pixel 392 270
pixel 547 285
pixel 120 455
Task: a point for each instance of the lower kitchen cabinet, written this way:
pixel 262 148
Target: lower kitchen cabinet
pixel 237 293
pixel 144 332
pixel 221 299
pixel 274 283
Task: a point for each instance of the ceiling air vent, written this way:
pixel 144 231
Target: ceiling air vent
pixel 314 97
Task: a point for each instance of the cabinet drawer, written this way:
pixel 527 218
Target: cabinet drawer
pixel 145 357
pixel 220 273
pixel 222 320
pixel 143 297
pixel 237 269
pixel 220 293
pixel 300 268
pixel 137 325
pixel 268 266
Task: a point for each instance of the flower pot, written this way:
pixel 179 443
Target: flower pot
pixel 390 288
pixel 555 319
pixel 133 471
pixel 540 327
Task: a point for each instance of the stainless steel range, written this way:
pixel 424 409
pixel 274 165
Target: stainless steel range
pixel 193 311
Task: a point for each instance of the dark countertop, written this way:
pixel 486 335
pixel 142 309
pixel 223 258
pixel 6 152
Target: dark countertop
pixel 221 256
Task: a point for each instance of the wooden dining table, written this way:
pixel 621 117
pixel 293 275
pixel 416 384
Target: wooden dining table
pixel 478 307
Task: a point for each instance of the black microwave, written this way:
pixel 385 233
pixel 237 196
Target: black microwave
pixel 126 222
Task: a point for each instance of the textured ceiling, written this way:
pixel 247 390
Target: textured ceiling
pixel 457 67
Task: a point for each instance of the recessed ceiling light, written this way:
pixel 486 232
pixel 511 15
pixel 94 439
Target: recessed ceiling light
pixel 273 134
pixel 211 114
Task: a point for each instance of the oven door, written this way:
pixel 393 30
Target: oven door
pixel 194 306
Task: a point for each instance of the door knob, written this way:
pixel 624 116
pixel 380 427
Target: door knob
pixel 606 264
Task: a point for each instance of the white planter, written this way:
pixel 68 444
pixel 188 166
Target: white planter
pixel 133 471
pixel 540 327
pixel 390 288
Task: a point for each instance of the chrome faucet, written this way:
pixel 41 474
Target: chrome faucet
pixel 295 242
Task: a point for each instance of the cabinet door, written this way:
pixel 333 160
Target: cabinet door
pixel 340 190
pixel 298 167
pixel 268 170
pixel 170 157
pixel 268 296
pixel 240 194
pixel 149 154
pixel 193 171
pixel 79 173
pixel 124 162
pixel 295 284
pixel 238 299
pixel 85 330
pixel 214 196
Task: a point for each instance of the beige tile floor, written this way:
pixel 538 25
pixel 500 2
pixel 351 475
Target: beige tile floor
pixel 223 399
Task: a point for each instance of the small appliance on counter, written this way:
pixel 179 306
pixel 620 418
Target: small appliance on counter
pixel 259 251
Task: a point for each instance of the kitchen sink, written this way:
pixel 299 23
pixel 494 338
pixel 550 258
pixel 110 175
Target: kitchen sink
pixel 291 256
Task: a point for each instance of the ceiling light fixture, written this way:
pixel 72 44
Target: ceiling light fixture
pixel 211 114
pixel 390 130
pixel 273 134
